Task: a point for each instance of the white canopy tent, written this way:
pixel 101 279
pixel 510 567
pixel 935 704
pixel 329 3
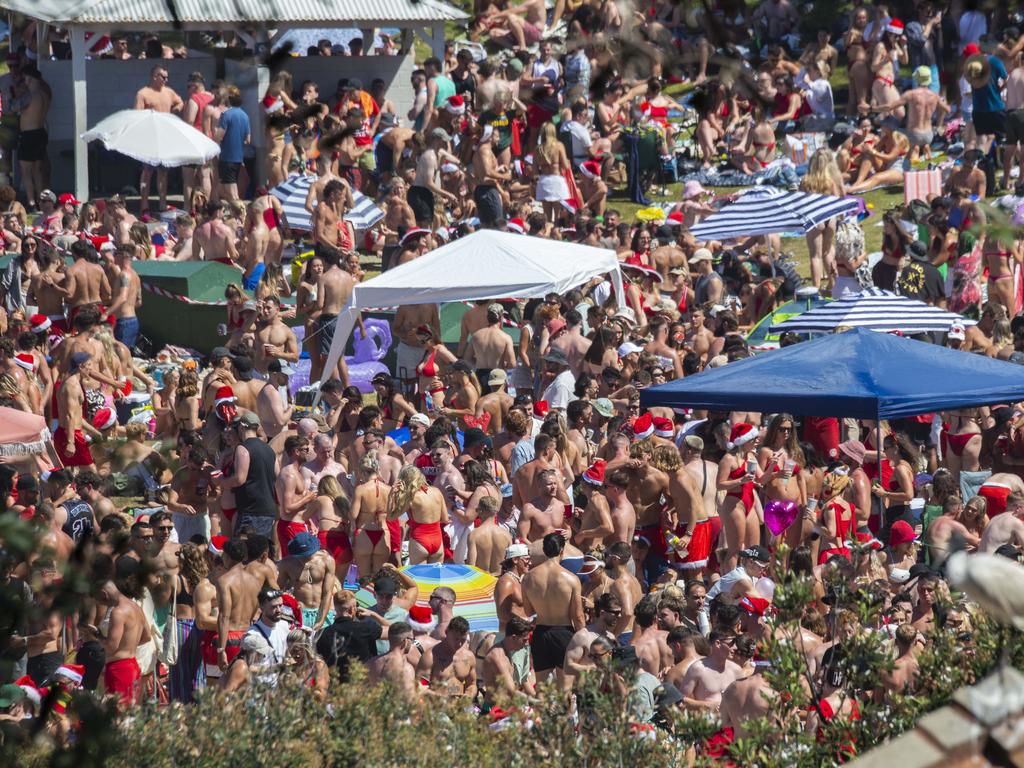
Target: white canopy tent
pixel 483 265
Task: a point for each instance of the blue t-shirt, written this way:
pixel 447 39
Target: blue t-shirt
pixel 987 99
pixel 235 123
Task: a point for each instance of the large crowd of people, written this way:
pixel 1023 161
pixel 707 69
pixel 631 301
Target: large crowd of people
pixel 226 528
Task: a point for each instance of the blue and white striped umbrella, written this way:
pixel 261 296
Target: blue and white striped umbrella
pixel 292 194
pixel 876 310
pixel 767 210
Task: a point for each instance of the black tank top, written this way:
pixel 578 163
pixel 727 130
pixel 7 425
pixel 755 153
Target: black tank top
pixel 256 495
pixel 80 520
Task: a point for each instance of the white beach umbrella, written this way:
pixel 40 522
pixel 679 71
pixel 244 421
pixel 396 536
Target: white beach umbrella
pixel 153 138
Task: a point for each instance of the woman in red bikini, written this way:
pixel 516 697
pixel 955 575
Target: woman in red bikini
pixel 425 506
pixel 780 460
pixel 897 493
pixel 372 541
pixel 1002 256
pixel 961 440
pixel 837 521
pixel 226 502
pixel 737 472
pixel 436 356
pixel 330 512
pixel 875 472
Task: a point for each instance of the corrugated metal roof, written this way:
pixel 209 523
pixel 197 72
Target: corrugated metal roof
pixel 134 12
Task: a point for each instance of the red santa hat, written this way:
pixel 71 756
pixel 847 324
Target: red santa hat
pixel 414 232
pixel 594 474
pixel 741 434
pixel 289 602
pixel 517 226
pixel 591 169
pixel 541 408
pixel 643 427
pixel 755 606
pixel 105 418
pixel 676 217
pixel 224 395
pixel 456 105
pixel 25 360
pixel 33 693
pixel 216 545
pixel 664 427
pixel 73 672
pixel 40 323
pixel 895 26
pixel 421 619
pixel 868 538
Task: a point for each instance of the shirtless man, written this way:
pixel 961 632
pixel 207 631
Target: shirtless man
pixel 495 403
pixel 921 104
pixel 165 562
pixel 744 701
pixel 489 180
pixel 623 585
pixel 274 340
pixel 544 514
pixel 160 98
pixel 488 541
pixel 324 176
pixel 53 542
pixel 607 613
pixel 504 680
pixel 682 641
pixel 620 508
pixel 69 439
pixel 942 529
pixel 323 463
pixel 698 337
pixel 408 318
pixel 527 482
pixel 518 26
pixel 595 524
pixel 648 639
pixel 923 617
pixel 708 678
pixel 272 404
pixel 308 573
pixel 293 491
pixel 450 666
pixel 508 592
pixel 968 175
pixel 393 667
pixel 330 230
pixel 554 595
pixel 237 602
pixel 213 240
pixel 259 563
pixel 490 347
pixel 426 187
pixel 126 629
pixel 86 281
pixel 693 527
pixel 891 47
pixel 48 287
pixel 127 298
pixel 902 677
pixel 1005 528
pixel 32 135
pixel 333 289
pixel 648 484
pixel 474 319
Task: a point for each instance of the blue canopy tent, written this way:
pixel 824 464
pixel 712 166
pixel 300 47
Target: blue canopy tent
pixel 860 374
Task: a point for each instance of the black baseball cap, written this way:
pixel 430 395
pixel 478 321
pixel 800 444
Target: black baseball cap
pixel 758 553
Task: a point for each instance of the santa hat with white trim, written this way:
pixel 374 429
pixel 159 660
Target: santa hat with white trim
pixel 224 395
pixel 643 427
pixel 30 689
pixel 456 105
pixel 591 169
pixel 40 323
pixel 594 474
pixel 105 418
pixel 895 27
pixel 517 226
pixel 421 619
pixel 73 672
pixel 741 434
pixel 216 545
pixel 664 427
pixel 25 360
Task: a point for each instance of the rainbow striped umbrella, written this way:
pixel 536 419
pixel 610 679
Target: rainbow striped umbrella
pixel 474 591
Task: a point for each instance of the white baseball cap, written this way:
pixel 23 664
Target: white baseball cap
pixel 628 348
pixel 957 331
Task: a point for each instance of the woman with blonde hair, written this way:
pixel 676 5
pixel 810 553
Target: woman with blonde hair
pixel 370 506
pixel 272 283
pixel 330 512
pixel 427 511
pixel 823 178
pixel 837 523
pixel 303 665
pixel 189 672
pixel 551 163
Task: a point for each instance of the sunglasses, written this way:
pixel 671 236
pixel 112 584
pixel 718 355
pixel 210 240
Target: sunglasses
pixel 167 529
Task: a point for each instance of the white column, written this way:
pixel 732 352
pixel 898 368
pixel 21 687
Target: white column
pixel 80 105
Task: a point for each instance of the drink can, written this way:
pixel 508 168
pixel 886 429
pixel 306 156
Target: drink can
pixel 751 466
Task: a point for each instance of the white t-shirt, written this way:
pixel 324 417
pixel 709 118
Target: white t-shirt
pixel 581 140
pixel 277 636
pixel 561 391
pixel 818 95
pixel 552 70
